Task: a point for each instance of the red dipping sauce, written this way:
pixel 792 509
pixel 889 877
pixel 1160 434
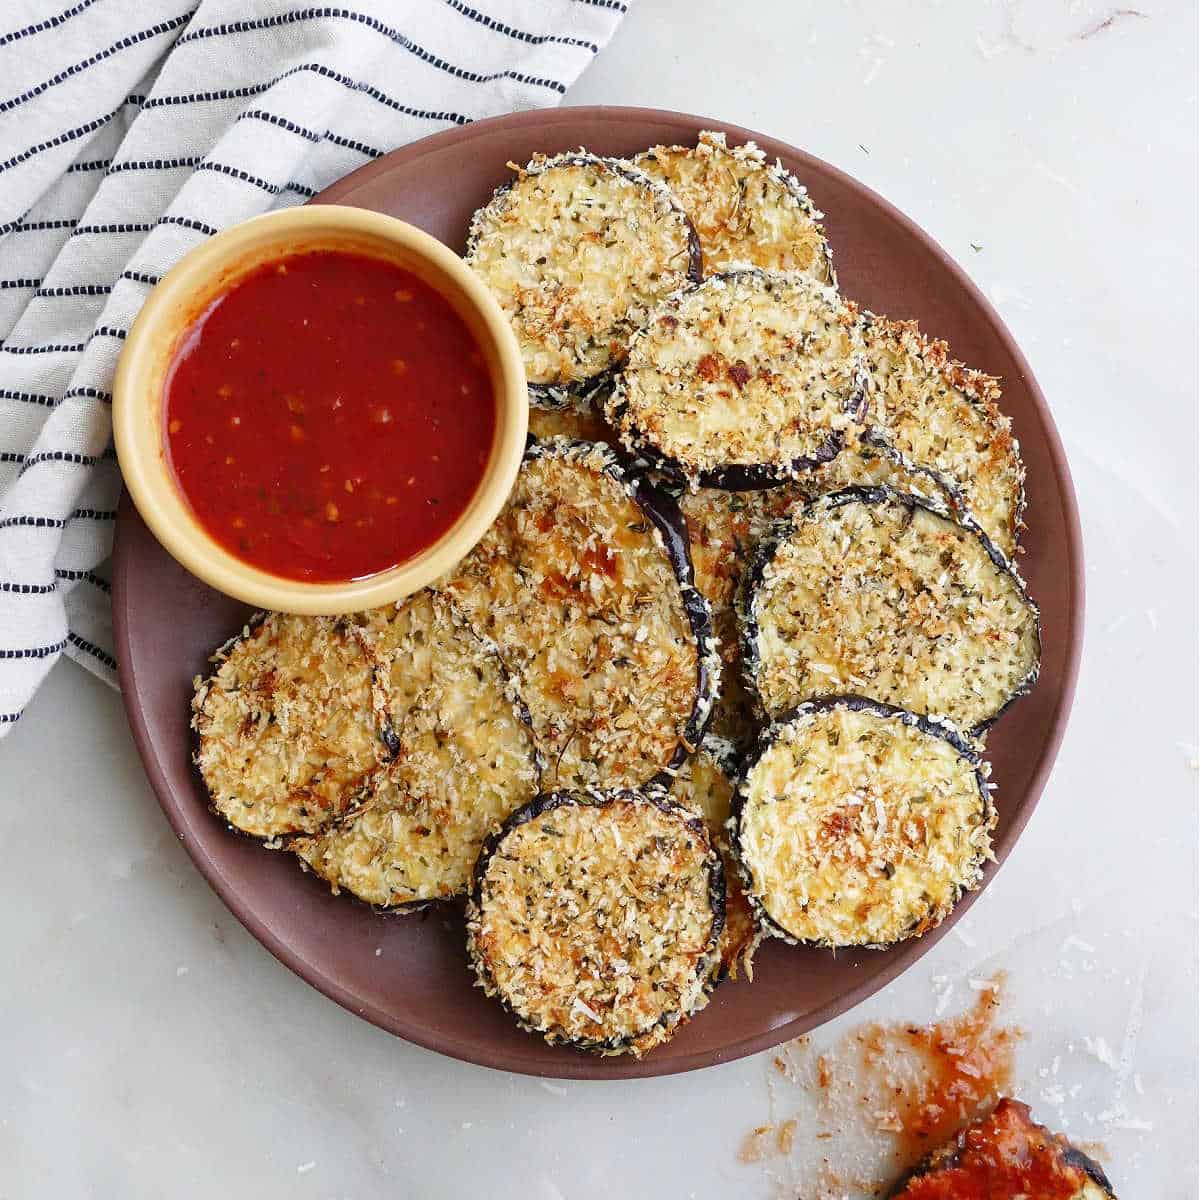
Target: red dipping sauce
pixel 328 417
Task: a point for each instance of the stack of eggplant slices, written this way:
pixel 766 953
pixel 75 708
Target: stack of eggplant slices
pixel 722 668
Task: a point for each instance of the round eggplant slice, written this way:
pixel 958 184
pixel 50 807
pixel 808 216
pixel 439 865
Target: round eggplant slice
pixel 577 249
pixel 931 412
pixel 585 585
pixel 595 918
pixel 744 208
pixel 705 785
pixel 886 595
pixel 465 759
pixel 725 529
pixel 288 738
pixel 743 381
pixel 859 824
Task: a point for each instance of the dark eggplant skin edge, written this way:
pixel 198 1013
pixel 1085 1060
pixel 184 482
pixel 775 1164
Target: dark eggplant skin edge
pixel 752 580
pixel 737 477
pixel 931 726
pixel 946 1156
pixel 386 734
pixel 583 398
pixel 564 395
pixel 876 438
pixel 1090 1167
pixel 664 514
pixel 725 754
pixel 706 968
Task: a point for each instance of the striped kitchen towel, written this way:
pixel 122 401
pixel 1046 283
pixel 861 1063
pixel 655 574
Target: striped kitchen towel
pixel 131 132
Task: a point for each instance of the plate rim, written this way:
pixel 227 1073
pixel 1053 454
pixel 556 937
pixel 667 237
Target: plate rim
pixel 578 1066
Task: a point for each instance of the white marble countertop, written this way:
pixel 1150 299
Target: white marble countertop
pixel 151 1047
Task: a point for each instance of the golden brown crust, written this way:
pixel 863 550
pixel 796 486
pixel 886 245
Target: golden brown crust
pixel 744 208
pixel 871 593
pixel 577 250
pixel 575 586
pixel 937 413
pixel 595 917
pixel 580 425
pixel 724 529
pixel 464 760
pixel 287 733
pixel 753 372
pixel 860 826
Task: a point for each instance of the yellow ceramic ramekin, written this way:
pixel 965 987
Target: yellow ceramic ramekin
pixel 186 290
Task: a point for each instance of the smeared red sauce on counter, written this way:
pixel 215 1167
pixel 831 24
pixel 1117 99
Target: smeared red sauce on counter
pixel 918 1112
pixel 328 417
pixel 964 1065
pixel 1005 1155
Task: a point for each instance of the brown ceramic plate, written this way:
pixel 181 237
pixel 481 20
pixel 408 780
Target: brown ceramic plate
pixel 167 623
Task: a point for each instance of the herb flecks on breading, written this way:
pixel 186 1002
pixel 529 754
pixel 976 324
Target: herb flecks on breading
pixel 859 826
pixel 464 760
pixel 595 919
pixel 745 208
pixel 287 733
pixel 577 250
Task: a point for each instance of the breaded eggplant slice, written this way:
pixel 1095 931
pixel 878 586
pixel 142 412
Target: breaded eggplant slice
pixel 724 530
pixel 744 208
pixel 932 412
pixel 595 918
pixel 746 380
pixel 578 249
pixel 858 824
pixel 288 737
pixel 886 595
pixel 465 759
pixel 705 785
pixel 1006 1154
pixel 585 585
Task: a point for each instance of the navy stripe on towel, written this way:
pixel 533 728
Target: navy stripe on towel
pixel 35 651
pixel 35 226
pixel 90 164
pixel 49 23
pixel 75 289
pixel 84 577
pixel 28 397
pixel 93 650
pixel 28 589
pixel 126 43
pixel 346 14
pixel 46 348
pixel 532 39
pixel 27 522
pixel 324 72
pixel 69 135
pixel 89 393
